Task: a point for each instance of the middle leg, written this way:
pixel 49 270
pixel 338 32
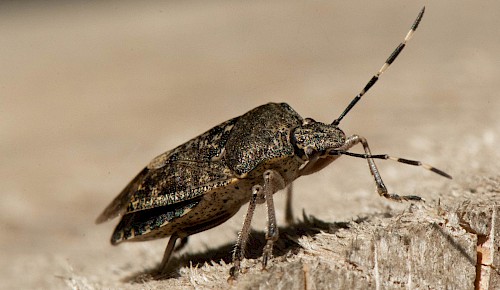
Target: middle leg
pixel 273 182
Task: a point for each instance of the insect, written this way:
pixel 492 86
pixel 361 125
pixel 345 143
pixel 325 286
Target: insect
pixel 205 181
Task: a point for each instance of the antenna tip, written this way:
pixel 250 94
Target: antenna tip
pixel 440 172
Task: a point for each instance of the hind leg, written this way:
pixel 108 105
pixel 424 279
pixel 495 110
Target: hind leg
pixel 168 252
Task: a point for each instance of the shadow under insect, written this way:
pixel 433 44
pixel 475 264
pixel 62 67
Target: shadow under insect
pixel 287 243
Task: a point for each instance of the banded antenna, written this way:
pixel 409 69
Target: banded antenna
pixel 386 65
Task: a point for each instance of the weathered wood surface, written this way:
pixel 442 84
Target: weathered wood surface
pixel 409 251
pixel 428 246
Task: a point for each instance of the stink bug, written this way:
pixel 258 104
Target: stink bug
pixel 204 182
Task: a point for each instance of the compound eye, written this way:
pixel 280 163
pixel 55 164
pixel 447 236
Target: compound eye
pixel 308 121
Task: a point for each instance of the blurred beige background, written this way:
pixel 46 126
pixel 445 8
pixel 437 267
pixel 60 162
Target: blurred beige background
pixel 91 91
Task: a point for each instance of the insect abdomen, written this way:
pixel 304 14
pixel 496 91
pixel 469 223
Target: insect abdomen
pixel 146 224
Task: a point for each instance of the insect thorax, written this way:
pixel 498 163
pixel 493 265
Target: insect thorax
pixel 261 136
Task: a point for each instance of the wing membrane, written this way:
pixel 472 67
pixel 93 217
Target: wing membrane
pixel 183 173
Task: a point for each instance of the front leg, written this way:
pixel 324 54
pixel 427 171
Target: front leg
pixel 319 162
pixel 381 189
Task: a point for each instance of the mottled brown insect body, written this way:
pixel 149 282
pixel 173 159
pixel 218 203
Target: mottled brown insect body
pixel 208 178
pixel 204 182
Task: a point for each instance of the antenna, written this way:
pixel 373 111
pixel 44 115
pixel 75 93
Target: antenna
pixel 386 65
pixel 397 159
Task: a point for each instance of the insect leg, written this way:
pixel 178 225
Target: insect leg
pixel 241 242
pixel 168 252
pixel 381 189
pixel 288 205
pixel 272 183
pixel 183 243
